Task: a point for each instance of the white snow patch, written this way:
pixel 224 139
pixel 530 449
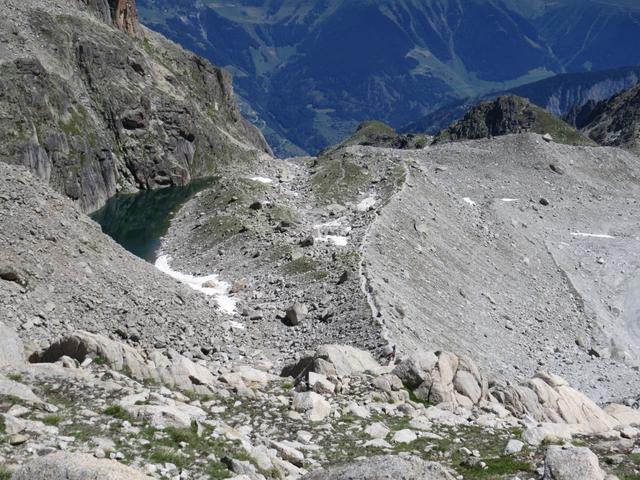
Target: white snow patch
pixel 265 180
pixel 469 201
pixel 366 204
pixel 221 290
pixel 333 227
pixel 509 200
pixel 237 325
pixel 337 240
pixel 591 235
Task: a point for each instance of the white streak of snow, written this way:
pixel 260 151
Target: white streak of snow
pixel 509 200
pixel 469 201
pixel 264 180
pixel 331 228
pixel 366 204
pixel 220 293
pixel 591 235
pixel 338 240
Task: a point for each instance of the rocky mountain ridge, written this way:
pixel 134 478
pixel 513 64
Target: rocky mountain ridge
pixel 465 309
pixel 616 121
pixel 508 115
pixel 95 111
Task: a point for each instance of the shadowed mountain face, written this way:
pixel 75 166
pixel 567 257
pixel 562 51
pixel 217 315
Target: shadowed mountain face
pixel 313 70
pixel 570 95
pixel 616 121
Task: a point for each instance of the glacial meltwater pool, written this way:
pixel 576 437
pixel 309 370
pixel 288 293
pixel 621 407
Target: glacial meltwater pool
pixel 137 221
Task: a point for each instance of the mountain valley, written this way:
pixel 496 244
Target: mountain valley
pixel 177 302
pixel 312 71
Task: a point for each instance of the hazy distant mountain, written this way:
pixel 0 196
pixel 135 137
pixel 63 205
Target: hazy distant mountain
pixel 312 70
pixel 569 95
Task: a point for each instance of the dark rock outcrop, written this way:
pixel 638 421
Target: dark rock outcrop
pixel 93 111
pixel 378 134
pixel 616 122
pixel 508 115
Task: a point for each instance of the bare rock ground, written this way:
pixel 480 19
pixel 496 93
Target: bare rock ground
pixel 61 273
pixel 521 252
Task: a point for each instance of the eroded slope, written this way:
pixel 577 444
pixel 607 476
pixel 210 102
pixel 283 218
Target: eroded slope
pixel 59 273
pixel 488 251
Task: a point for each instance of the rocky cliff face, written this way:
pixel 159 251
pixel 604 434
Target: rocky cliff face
pixel 94 111
pixel 123 14
pixel 506 115
pixel 126 17
pixel 616 122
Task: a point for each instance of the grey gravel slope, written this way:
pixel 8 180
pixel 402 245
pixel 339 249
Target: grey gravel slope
pixel 504 278
pixel 69 276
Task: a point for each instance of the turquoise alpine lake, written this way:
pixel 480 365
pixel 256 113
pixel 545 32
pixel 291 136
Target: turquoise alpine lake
pixel 138 221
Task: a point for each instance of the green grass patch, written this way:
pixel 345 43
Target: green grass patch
pixel 629 469
pixel 169 455
pixel 217 471
pixel 187 435
pixel 338 180
pixel 505 465
pixel 116 411
pixel 16 377
pixel 3 426
pixel 52 420
pixel 5 473
pixel 83 432
pixel 99 361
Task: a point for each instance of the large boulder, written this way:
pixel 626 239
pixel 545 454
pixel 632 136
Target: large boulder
pixel 175 370
pixel 627 416
pixel 296 314
pixel 443 377
pixel 178 414
pixel 571 463
pixel 384 468
pixel 414 370
pixel 312 405
pixel 170 369
pixel 75 466
pixel 247 376
pixel 11 348
pixel 334 360
pixel 348 360
pixel 11 388
pixel 80 345
pixel 549 398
